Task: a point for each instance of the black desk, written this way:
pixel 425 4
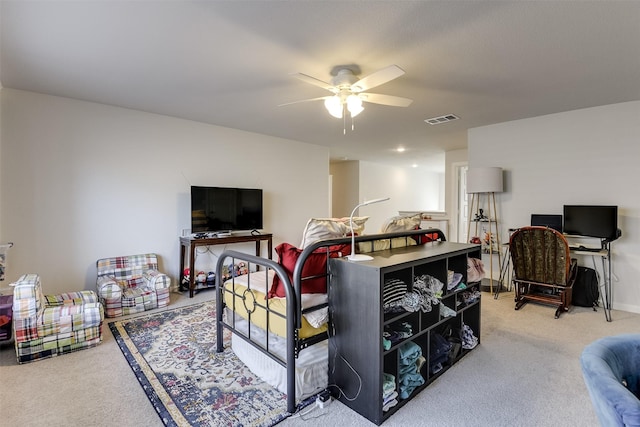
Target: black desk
pixel 192 244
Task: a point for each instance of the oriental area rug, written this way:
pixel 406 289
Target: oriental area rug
pixel 173 355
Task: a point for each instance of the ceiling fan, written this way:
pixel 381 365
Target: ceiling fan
pixel 349 92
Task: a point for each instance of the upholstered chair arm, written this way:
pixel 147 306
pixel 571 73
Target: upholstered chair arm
pixel 108 288
pixel 27 304
pixel 27 297
pixel 611 370
pixel 156 280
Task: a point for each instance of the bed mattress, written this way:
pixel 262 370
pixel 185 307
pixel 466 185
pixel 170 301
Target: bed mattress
pixel 243 300
pixel 311 372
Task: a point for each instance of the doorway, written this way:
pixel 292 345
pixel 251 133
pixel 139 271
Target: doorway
pixel 462 202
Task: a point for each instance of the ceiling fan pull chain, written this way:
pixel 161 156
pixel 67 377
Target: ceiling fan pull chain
pixel 344 120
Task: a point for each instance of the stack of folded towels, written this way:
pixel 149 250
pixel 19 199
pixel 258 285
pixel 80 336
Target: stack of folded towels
pixel 411 360
pixel 389 393
pixel 393 335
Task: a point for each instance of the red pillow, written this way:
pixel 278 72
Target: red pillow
pixel 316 264
pixel 421 239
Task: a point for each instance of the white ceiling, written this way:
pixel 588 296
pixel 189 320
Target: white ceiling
pixel 229 63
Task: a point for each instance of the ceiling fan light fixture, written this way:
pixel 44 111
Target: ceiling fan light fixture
pixel 349 91
pixel 333 104
pixel 354 105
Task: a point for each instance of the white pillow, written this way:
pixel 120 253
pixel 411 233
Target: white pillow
pixel 330 228
pixel 400 223
pixel 380 245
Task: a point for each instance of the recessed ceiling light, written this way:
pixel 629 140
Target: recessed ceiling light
pixel 400 149
pixel 414 165
pixel 442 119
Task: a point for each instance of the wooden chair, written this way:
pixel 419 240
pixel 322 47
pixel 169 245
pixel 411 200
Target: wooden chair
pixel 543 270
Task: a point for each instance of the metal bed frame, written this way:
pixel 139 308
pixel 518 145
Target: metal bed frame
pixel 294 310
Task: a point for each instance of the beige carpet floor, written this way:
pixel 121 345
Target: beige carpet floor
pixel 526 372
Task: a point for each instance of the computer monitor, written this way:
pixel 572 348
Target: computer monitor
pixel 592 221
pixel 551 221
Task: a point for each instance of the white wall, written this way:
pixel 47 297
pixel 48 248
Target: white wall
pixel 410 189
pixel 82 181
pixel 587 156
pixel 346 184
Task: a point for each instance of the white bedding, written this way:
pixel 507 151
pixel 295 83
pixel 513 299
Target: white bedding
pixel 311 366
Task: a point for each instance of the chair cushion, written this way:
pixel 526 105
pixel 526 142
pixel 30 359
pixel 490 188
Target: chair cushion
pixel 139 299
pixel 70 298
pixel 134 282
pixel 64 319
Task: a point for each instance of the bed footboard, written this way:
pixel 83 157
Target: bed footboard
pixel 251 304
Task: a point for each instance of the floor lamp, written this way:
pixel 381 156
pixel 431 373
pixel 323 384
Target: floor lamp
pixel 488 181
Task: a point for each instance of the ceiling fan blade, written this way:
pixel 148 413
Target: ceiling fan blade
pixel 305 100
pixel 316 82
pixel 378 98
pixel 376 79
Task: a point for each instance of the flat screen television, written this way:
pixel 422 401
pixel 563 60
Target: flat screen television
pixel 221 209
pixel 591 221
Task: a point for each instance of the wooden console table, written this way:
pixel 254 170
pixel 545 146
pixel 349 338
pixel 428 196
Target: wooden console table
pixel 192 244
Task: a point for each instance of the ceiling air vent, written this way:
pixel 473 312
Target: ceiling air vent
pixel 442 119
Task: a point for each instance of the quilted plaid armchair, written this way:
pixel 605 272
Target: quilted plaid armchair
pixel 131 284
pixel 49 325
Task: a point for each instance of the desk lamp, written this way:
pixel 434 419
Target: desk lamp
pixel 354 256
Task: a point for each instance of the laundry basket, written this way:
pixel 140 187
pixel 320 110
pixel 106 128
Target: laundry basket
pixel 6 297
pixel 6 302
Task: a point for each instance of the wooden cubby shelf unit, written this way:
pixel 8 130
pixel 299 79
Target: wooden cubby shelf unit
pixel 357 357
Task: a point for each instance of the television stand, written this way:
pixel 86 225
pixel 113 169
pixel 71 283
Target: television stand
pixel 192 243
